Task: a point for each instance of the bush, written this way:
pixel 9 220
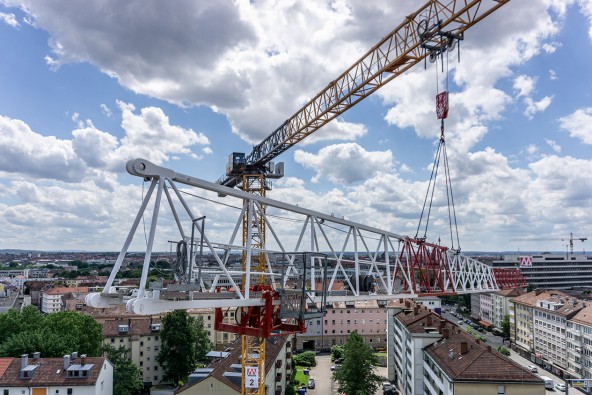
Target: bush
pixel 503 351
pixel 306 359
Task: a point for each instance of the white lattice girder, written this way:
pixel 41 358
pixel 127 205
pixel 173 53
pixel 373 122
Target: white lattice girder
pixel 352 249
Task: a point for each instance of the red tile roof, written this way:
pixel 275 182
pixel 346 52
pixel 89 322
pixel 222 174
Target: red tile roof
pixel 4 363
pixel 479 362
pixel 50 372
pixel 65 290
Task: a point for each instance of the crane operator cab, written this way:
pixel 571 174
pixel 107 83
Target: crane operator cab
pixel 236 164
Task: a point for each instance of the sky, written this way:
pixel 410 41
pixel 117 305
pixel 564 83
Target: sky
pixel 87 86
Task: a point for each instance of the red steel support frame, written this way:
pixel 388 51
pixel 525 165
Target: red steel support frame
pixel 259 321
pixel 429 264
pixel 509 278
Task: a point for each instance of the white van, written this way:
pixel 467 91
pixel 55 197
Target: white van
pixel 549 383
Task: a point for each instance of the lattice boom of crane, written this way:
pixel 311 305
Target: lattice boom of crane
pixel 311 260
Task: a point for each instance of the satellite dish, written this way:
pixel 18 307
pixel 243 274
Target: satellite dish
pixel 433 57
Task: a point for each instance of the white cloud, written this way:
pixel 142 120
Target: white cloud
pixel 524 85
pixel 148 134
pixel 345 163
pixel 586 10
pixel 553 144
pixel 579 124
pixel 106 110
pixel 553 75
pixel 23 151
pixel 532 107
pixel 9 19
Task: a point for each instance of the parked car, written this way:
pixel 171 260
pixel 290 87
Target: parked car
pixel 533 369
pixel 560 387
pixel 311 384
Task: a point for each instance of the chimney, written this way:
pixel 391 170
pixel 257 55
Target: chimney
pixel 83 359
pixel 488 348
pixel 464 348
pixel 415 310
pixel 24 361
pixel 407 303
pixel 36 355
pixel 74 355
pixel 538 291
pixel 429 320
pixel 66 362
pixel 445 333
pixel 442 323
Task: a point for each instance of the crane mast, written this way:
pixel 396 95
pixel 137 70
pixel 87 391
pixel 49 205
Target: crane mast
pixel 428 32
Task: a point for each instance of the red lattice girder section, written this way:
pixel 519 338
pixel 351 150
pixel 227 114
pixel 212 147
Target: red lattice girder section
pixel 509 278
pixel 428 266
pixel 259 321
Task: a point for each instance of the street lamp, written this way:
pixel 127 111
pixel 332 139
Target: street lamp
pixel 203 220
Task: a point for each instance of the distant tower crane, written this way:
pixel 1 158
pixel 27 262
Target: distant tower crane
pixel 571 240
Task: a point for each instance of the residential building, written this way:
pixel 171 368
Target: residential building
pixel 430 355
pixel 539 330
pixel 51 299
pixel 367 317
pixel 71 375
pixel 459 364
pixel 485 312
pixel 500 301
pixel 579 343
pixel 224 375
pixel 413 328
pixel 476 308
pixel 141 336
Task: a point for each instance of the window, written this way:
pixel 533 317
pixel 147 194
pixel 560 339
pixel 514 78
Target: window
pixel 69 391
pixel 501 390
pixel 5 392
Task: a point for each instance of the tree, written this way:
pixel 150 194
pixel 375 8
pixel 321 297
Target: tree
pixel 179 346
pixel 203 345
pixel 53 335
pixel 356 375
pixel 127 377
pixel 336 352
pixel 506 326
pixel 530 287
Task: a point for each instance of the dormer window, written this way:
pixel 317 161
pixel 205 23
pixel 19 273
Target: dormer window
pixel 79 371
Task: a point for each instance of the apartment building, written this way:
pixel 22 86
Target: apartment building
pixel 71 375
pixel 459 364
pixel 430 355
pixel 51 299
pixel 500 302
pixel 141 336
pixel 579 343
pixel 485 312
pixel 368 317
pixel 224 374
pixel 539 328
pixel 411 328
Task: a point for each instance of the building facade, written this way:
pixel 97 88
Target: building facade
pixel 71 375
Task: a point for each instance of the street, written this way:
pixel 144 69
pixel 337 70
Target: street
pixel 323 377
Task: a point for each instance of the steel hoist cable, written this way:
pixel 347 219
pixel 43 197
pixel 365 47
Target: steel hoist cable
pixel 440 156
